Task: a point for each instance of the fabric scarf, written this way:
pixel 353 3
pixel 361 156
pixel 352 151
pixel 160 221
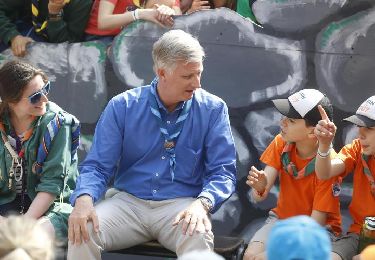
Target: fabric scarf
pixel 170 138
pixel 291 168
pixel 367 172
pixel 16 158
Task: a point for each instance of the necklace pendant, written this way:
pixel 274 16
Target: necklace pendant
pixel 168 144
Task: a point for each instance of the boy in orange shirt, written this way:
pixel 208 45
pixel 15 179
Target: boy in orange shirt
pixel 357 157
pixel 291 156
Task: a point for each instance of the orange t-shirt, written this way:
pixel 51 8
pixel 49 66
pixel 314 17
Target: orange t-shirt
pixel 363 202
pixel 92 24
pixel 302 196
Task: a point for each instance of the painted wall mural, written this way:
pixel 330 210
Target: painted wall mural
pixel 324 44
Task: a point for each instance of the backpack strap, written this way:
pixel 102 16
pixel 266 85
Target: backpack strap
pixel 53 128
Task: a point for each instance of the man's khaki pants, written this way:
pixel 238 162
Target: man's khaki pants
pixel 126 221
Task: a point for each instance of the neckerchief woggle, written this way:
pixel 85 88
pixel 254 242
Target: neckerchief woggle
pixel 367 172
pixel 291 168
pixel 170 138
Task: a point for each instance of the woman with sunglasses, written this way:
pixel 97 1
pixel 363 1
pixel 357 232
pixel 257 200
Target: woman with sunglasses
pixel 35 180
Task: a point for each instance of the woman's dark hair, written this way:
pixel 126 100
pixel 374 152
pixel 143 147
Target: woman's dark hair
pixel 14 77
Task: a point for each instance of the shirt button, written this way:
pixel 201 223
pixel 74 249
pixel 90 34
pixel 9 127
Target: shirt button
pixel 157 174
pixel 168 122
pixel 154 191
pixel 163 157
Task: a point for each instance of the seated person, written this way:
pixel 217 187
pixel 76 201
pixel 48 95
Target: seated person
pixel 108 17
pixel 23 21
pixel 291 157
pixel 38 159
pixel 23 238
pixel 357 158
pixel 169 148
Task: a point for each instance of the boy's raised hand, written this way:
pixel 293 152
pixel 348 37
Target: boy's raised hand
pixel 325 130
pixel 257 179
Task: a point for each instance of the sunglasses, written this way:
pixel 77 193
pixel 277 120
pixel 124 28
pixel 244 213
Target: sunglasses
pixel 35 98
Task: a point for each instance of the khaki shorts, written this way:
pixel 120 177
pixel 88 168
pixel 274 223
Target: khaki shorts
pixel 262 234
pixel 346 246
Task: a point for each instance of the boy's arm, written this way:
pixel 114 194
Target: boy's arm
pixel 319 216
pixel 261 182
pixel 325 131
pixel 40 204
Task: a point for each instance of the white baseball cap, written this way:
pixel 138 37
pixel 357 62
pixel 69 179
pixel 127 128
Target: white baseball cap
pixel 365 115
pixel 304 105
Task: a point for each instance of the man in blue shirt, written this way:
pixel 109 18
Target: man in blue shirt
pixel 170 150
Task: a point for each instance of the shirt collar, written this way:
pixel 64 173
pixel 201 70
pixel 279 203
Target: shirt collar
pixel 154 84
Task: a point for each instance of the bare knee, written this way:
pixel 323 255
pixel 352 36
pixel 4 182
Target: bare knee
pixel 48 227
pixel 335 256
pixel 254 251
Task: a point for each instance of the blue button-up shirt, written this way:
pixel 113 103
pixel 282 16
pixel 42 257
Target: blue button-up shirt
pixel 129 146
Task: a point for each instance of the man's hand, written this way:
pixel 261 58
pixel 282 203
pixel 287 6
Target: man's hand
pixel 55 6
pixel 197 5
pixel 195 218
pixel 18 45
pixel 83 212
pixel 325 130
pixel 257 179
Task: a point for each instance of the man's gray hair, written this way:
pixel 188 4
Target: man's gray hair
pixel 176 46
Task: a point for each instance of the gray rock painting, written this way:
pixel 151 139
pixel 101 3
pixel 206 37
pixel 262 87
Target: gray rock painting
pixel 345 59
pixel 323 44
pixel 76 72
pixel 294 15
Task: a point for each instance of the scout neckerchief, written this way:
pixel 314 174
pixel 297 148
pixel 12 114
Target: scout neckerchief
pixel 170 138
pixel 291 168
pixel 17 160
pixel 16 157
pixel 39 26
pixel 367 172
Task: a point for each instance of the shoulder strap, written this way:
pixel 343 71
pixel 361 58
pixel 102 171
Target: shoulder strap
pixel 53 128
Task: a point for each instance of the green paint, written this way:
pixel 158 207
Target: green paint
pixel 335 27
pixel 100 46
pixel 121 36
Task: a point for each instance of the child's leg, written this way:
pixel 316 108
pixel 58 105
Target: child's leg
pixel 254 249
pixel 345 247
pixel 257 246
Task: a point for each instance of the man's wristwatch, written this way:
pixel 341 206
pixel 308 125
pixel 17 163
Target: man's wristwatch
pixel 56 17
pixel 206 203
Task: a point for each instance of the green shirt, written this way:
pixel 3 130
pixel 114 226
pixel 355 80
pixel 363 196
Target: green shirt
pixel 59 172
pixel 70 28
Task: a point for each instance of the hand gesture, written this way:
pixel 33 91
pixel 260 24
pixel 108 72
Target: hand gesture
pixel 83 212
pixel 194 218
pixel 18 45
pixel 197 5
pixel 257 179
pixel 55 6
pixel 325 130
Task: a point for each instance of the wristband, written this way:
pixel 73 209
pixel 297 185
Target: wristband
pixel 136 14
pixel 326 154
